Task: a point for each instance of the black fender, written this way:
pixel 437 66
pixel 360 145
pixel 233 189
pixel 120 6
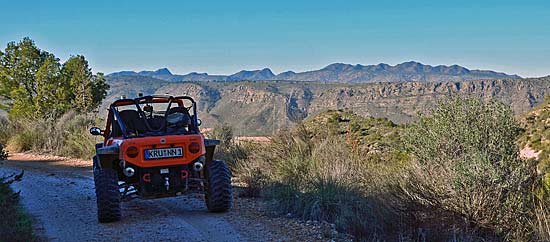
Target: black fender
pixel 106 155
pixel 210 145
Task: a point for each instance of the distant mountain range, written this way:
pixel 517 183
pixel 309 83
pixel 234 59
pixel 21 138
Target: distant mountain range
pixel 339 73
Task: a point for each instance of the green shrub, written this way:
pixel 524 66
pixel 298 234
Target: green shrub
pixel 465 163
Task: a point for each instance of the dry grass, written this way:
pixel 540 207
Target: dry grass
pixel 66 136
pixel 542 222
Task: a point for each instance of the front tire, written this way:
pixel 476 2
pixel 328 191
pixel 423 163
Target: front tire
pixel 219 193
pixel 107 195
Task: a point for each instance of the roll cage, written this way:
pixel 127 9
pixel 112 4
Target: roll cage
pixel 114 114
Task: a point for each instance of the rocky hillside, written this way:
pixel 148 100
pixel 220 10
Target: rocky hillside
pixel 262 107
pixel 366 133
pixel 535 141
pixel 340 73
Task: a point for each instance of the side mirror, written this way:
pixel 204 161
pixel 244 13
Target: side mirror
pixel 199 122
pixel 95 131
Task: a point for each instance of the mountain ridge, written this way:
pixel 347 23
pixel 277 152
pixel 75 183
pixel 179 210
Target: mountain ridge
pixel 410 71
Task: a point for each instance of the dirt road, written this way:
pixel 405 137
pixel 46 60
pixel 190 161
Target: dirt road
pixel 60 195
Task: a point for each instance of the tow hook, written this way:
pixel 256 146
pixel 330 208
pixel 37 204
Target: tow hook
pixel 167 183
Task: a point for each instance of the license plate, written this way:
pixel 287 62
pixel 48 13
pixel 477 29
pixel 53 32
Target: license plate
pixel 163 153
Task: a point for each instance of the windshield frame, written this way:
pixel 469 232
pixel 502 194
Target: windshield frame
pixel 193 129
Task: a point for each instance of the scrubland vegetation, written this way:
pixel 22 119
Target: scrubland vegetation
pixel 536 124
pixel 47 102
pixel 47 105
pixel 455 175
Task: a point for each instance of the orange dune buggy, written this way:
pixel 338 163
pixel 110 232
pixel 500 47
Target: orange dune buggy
pixel 153 148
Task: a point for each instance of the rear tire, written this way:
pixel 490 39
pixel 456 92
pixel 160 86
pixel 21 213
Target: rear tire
pixel 107 195
pixel 219 193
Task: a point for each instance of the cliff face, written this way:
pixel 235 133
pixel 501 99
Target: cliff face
pixel 400 102
pixel 262 107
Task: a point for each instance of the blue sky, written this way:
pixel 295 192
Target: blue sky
pixel 223 37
